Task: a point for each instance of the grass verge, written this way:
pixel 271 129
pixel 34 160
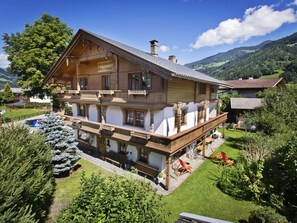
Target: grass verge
pixel 200 195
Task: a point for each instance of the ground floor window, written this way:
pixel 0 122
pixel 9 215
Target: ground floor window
pixel 122 148
pixel 86 137
pixel 143 155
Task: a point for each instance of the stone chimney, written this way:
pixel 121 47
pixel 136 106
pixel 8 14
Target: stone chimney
pixel 154 47
pixel 172 58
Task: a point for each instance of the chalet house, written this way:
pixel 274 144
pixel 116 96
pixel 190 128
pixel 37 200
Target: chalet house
pixel 250 87
pixel 131 105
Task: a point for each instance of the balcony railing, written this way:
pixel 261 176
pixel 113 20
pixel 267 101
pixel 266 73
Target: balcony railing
pixel 114 96
pixel 152 141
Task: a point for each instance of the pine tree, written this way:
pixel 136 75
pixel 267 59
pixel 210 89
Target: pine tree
pixel 8 95
pixel 65 154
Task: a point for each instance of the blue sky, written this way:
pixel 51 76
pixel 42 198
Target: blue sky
pixel 189 29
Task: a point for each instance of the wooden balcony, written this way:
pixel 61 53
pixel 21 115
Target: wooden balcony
pixel 163 144
pixel 110 97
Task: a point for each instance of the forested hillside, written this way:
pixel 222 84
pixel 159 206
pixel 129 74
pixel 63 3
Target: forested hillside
pixel 275 58
pixel 7 77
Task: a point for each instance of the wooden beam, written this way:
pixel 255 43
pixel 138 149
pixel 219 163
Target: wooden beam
pixel 167 182
pixel 204 145
pixel 152 124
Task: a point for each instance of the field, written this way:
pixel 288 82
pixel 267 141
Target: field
pixel 16 114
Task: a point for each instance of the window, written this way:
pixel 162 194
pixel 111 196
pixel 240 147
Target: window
pixel 143 155
pixel 213 89
pixel 202 88
pixel 134 82
pixel 135 118
pixel 105 82
pixel 86 137
pixel 130 117
pixel 140 81
pixel 83 83
pixel 146 81
pixel 81 110
pixel 122 148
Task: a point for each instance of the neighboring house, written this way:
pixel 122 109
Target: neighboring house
pixel 134 104
pixel 17 93
pixel 250 87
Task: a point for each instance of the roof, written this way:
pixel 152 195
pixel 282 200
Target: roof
pixel 15 90
pixel 245 103
pixel 163 65
pixel 255 83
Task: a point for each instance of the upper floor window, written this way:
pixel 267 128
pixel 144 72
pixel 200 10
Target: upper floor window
pixel 83 83
pixel 213 89
pixel 140 81
pixel 81 110
pixel 202 88
pixel 105 82
pixel 135 118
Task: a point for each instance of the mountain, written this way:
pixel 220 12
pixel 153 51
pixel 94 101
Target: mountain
pixel 269 59
pixel 7 77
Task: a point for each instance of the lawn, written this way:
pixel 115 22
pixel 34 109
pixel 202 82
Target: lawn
pixel 16 113
pixel 197 195
pixel 200 195
pixel 67 188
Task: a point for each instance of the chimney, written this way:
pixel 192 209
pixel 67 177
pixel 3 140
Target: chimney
pixel 154 47
pixel 172 58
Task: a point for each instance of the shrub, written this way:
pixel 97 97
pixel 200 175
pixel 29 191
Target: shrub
pixel 114 199
pixel 266 215
pixel 65 154
pixel 26 178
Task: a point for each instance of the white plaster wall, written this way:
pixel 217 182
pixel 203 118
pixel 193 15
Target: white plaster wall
pixel 113 145
pixel 212 110
pixel 94 143
pixel 133 153
pixel 36 99
pixel 114 116
pixel 159 122
pixel 75 131
pixel 74 110
pixel 157 160
pixel 207 114
pixel 147 120
pixel 169 127
pixel 93 114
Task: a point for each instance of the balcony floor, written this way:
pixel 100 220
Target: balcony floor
pixel 175 181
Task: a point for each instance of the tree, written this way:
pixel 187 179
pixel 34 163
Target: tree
pixel 33 51
pixel 26 176
pixel 8 95
pixel 65 154
pixel 117 199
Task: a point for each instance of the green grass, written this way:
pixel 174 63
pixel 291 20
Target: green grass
pixel 68 187
pixel 275 75
pixel 200 195
pixel 210 65
pixel 15 113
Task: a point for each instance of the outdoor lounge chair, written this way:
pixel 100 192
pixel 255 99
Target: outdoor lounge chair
pixel 215 157
pixel 184 167
pixel 226 161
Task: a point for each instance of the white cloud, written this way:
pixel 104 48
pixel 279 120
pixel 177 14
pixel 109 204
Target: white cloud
pixel 293 3
pixel 3 60
pixel 164 49
pixel 257 21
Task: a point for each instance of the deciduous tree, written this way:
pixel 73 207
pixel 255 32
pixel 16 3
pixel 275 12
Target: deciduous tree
pixel 33 51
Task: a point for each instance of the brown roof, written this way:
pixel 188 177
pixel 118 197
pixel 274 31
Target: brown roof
pixel 255 83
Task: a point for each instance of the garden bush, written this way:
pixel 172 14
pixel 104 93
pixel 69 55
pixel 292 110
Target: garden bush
pixel 266 215
pixel 26 176
pixel 115 199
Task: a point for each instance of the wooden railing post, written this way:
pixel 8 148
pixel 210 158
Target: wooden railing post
pixel 204 145
pixel 168 161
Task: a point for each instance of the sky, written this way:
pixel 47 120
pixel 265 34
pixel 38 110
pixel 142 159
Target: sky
pixel 189 29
